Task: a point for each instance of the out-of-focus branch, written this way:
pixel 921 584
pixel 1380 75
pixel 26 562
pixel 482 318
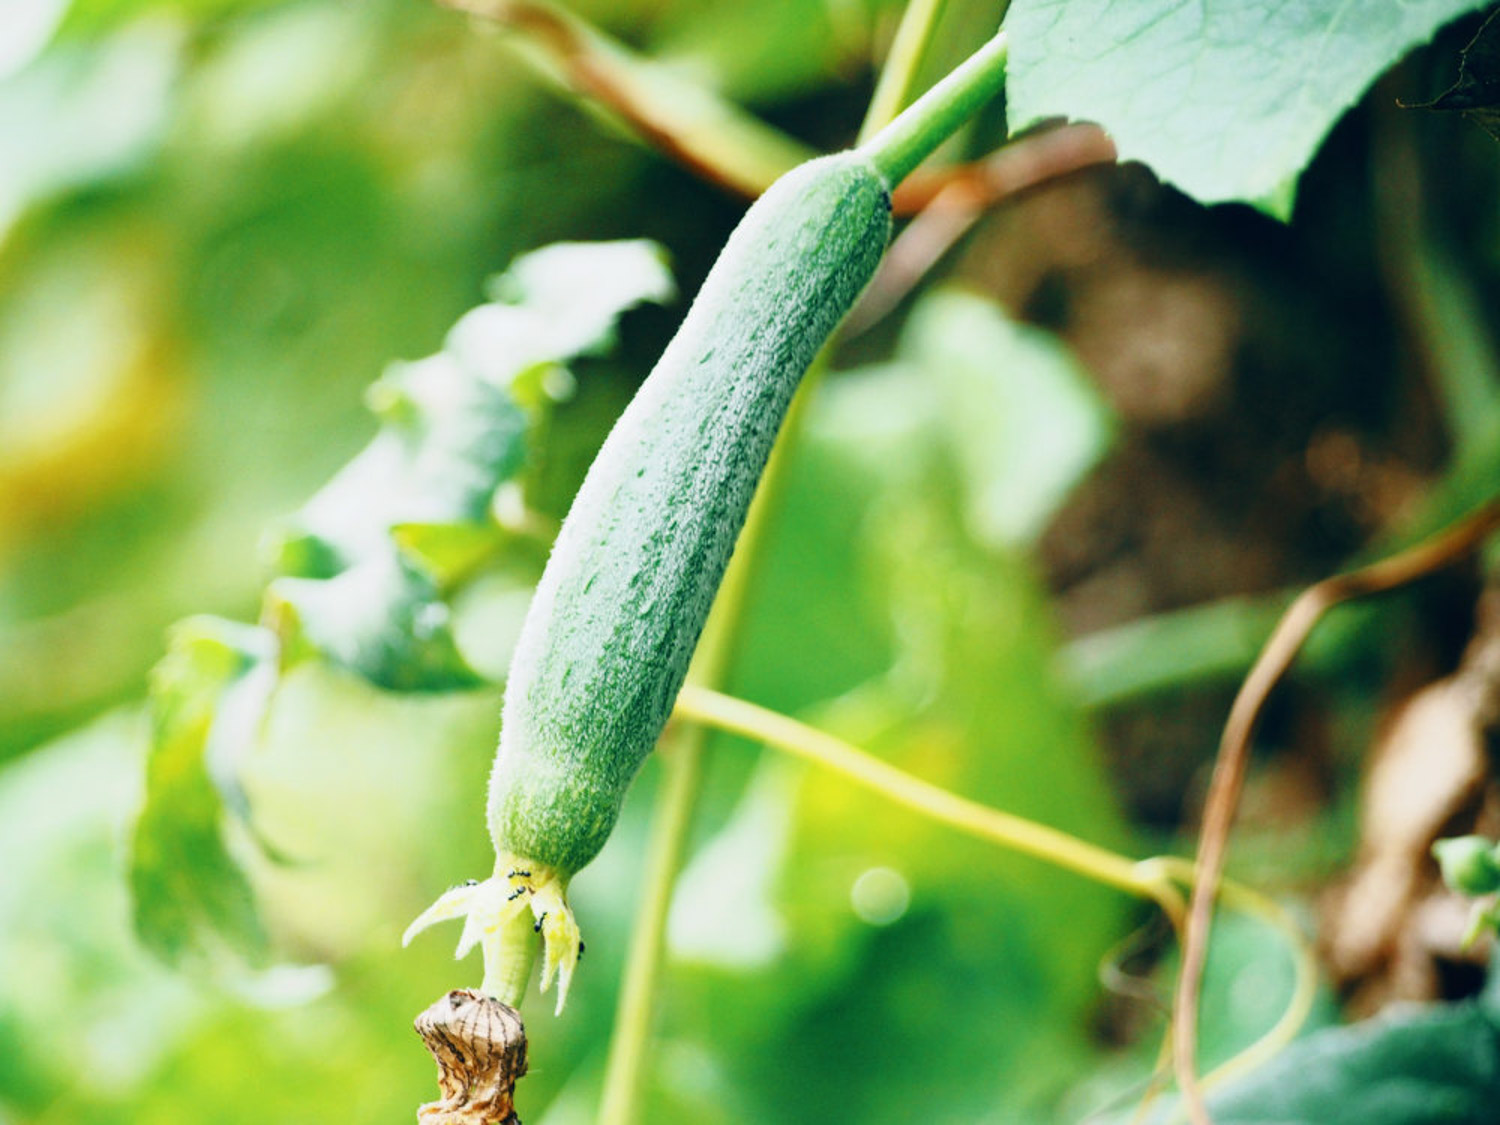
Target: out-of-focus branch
pixel 1025 162
pixel 893 87
pixel 688 123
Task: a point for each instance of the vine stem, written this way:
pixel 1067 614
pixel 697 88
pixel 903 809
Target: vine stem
pixel 1228 775
pixel 1156 878
pixel 1304 963
pixel 895 150
pixel 897 76
pixel 911 137
pixel 625 1067
pixel 971 817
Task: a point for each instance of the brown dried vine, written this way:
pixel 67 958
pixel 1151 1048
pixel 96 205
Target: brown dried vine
pixel 606 75
pixel 1455 542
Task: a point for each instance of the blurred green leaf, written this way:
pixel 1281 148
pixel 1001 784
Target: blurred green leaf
pixel 1225 101
pixel 97 18
pixel 382 618
pixel 990 941
pixel 79 115
pixel 1217 641
pixel 363 565
pixel 30 26
pixel 65 931
pixel 919 953
pixel 209 696
pixel 1463 353
pixel 1023 419
pixel 279 72
pixel 366 561
pixel 375 797
pixel 1413 1067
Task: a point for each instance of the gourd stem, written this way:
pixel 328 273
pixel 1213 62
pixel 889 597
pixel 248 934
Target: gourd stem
pixel 521 947
pixel 934 117
pixel 894 84
pixel 627 1064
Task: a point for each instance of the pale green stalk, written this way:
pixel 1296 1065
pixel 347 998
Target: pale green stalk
pixel 1155 878
pixel 627 1063
pixel 934 117
pixel 899 73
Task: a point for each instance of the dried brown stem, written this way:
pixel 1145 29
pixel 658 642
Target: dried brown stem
pixel 480 1048
pixel 724 145
pixel 711 138
pixel 1275 658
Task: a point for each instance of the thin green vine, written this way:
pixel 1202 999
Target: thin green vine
pixel 970 817
pixel 897 76
pixel 900 146
pixel 625 1067
pixel 1157 878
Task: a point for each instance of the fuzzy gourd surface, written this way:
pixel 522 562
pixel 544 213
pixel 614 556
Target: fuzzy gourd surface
pixel 609 634
pixel 619 610
pixel 606 643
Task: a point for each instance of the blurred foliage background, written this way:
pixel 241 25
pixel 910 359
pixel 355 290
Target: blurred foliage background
pixel 1030 573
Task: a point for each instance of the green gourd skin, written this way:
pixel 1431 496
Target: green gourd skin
pixel 613 624
pixel 606 643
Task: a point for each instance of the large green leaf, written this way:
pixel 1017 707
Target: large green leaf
pixel 1225 100
pixel 366 570
pixel 346 778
